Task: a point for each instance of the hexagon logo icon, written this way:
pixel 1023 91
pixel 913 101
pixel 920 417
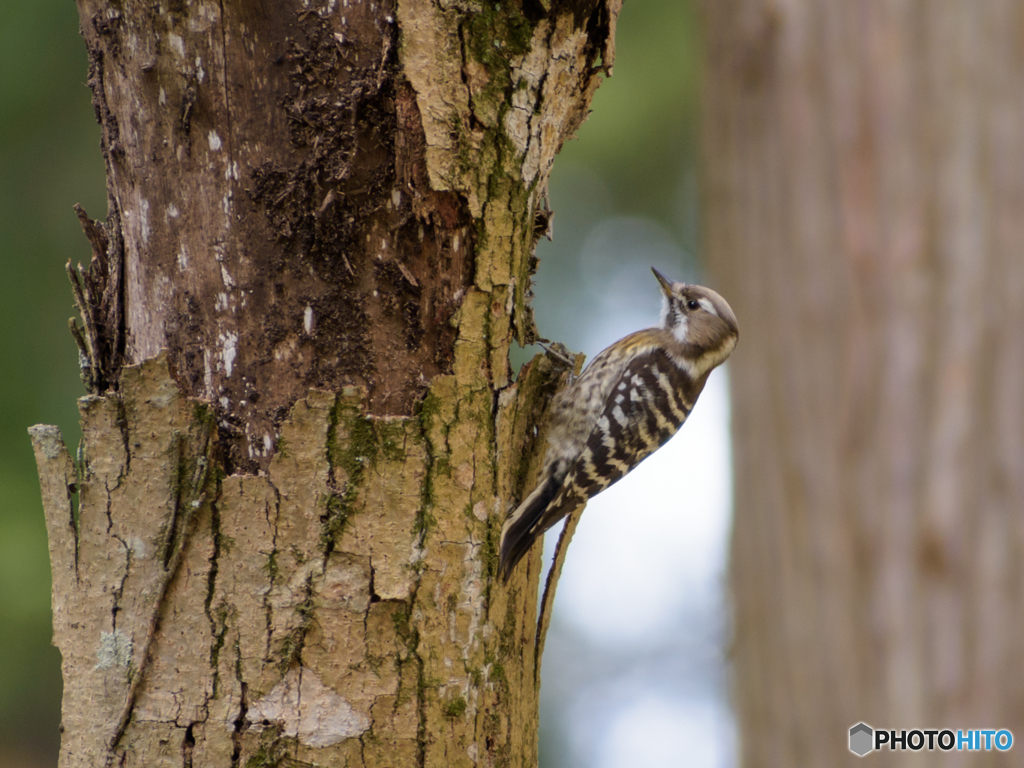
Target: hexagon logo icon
pixel 861 739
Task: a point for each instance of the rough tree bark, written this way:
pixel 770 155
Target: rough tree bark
pixel 865 213
pixel 277 543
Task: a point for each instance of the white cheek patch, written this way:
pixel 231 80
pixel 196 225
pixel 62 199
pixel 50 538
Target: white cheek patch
pixel 707 305
pixel 679 331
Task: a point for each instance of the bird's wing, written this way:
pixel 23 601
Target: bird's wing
pixel 645 407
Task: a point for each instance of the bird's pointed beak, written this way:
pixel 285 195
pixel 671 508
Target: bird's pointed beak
pixel 666 284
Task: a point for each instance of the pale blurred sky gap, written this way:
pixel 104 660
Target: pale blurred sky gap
pixel 634 671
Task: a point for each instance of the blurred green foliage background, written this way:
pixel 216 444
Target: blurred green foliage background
pixel 635 156
pixel 49 160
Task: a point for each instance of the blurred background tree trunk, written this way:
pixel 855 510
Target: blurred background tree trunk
pixel 278 540
pixel 864 211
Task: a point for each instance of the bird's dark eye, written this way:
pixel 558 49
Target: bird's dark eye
pixel 693 304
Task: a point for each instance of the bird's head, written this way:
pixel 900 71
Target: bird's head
pixel 700 320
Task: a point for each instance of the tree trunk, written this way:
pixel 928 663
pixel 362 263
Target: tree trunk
pixel 277 544
pixel 865 207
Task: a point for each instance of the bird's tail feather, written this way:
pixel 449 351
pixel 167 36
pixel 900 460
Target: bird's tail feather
pixel 522 527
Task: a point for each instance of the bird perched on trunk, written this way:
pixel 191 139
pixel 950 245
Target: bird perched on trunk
pixel 628 402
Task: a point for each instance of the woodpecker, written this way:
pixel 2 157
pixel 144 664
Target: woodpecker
pixel 625 405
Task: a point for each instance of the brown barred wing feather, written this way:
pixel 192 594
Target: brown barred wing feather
pixel 648 405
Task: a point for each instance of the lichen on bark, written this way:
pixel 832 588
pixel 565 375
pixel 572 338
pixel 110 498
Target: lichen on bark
pixel 277 629
pixel 278 545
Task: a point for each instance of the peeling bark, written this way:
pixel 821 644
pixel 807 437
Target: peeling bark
pixel 342 606
pixel 278 544
pixel 301 197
